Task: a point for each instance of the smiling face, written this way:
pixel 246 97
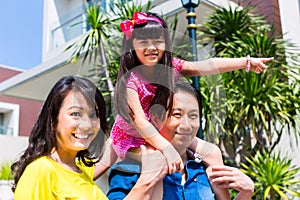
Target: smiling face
pixel 182 125
pixel 77 124
pixel 149 51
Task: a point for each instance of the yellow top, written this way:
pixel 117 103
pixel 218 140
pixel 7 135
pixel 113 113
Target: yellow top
pixel 44 179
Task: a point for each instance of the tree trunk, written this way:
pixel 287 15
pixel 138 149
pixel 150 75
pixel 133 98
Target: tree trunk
pixel 103 61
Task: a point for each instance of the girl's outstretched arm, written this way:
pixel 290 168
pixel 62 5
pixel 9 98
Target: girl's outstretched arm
pixel 150 133
pixel 221 65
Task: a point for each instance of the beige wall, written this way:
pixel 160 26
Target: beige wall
pixel 11 147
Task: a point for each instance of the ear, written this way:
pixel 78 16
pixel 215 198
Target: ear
pixel 156 121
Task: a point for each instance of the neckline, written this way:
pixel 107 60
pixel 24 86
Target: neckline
pixel 68 169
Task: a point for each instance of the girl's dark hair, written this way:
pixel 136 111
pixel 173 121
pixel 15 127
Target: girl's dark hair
pixel 162 104
pixel 129 62
pixel 42 138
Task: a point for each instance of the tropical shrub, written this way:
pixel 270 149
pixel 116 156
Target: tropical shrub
pixel 238 106
pixel 274 177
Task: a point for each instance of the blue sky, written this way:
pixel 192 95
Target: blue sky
pixel 21 33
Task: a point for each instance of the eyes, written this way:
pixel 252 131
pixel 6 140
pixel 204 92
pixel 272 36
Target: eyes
pixel 78 114
pixel 179 114
pixel 155 42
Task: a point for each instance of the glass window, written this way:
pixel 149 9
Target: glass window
pixel 1 123
pixel 9 118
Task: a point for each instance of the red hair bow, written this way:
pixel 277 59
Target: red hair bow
pixel 127 26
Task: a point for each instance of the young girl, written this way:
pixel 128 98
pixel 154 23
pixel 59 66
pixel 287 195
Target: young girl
pixel 146 64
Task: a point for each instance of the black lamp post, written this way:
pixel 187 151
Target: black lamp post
pixel 191 16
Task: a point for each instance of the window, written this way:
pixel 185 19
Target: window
pixel 9 119
pixel 1 123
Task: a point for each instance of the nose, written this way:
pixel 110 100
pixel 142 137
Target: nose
pixel 85 123
pixel 151 45
pixel 185 123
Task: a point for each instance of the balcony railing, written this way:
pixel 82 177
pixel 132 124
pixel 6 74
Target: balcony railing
pixel 69 27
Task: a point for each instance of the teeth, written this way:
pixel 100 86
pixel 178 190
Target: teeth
pixel 80 136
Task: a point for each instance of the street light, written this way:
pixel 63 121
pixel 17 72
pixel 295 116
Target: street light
pixel 191 16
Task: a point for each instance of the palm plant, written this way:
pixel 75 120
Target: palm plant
pixel 92 42
pixel 247 103
pixel 274 176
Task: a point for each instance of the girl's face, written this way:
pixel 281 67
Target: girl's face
pixel 149 51
pixel 182 126
pixel 77 124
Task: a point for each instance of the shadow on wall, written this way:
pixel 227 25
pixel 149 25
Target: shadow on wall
pixel 11 148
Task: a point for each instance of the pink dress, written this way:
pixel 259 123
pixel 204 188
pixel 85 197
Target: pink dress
pixel 124 135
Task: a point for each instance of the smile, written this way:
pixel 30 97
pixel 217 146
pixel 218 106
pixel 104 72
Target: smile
pixel 152 54
pixel 81 136
pixel 183 134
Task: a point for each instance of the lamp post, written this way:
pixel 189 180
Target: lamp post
pixel 190 5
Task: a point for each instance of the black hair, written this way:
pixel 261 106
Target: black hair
pixel 165 103
pixel 129 63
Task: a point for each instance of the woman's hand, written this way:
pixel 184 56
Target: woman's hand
pixel 231 177
pixel 154 169
pixel 173 159
pixel 154 165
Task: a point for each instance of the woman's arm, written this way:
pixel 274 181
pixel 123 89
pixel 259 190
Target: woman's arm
pixel 221 65
pixel 231 177
pixel 108 159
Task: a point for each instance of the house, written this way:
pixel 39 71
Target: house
pixel 17 116
pixel 28 89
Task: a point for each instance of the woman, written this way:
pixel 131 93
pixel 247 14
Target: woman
pixel 180 127
pixel 65 143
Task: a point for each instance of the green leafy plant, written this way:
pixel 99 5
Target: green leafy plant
pixel 5 171
pixel 239 104
pixel 274 177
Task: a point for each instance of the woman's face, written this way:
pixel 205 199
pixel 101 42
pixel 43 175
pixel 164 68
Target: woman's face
pixel 77 124
pixel 149 51
pixel 183 124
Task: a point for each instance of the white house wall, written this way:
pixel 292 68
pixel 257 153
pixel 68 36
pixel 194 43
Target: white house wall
pixel 290 22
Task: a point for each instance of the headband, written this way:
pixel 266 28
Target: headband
pixel 127 26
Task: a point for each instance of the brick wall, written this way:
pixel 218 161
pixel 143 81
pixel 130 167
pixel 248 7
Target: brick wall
pixel 268 8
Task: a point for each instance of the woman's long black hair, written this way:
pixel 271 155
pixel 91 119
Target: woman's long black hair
pixel 42 138
pixel 129 63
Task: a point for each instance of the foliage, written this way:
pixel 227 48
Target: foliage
pixel 274 176
pixel 239 104
pixel 5 171
pixel 89 42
